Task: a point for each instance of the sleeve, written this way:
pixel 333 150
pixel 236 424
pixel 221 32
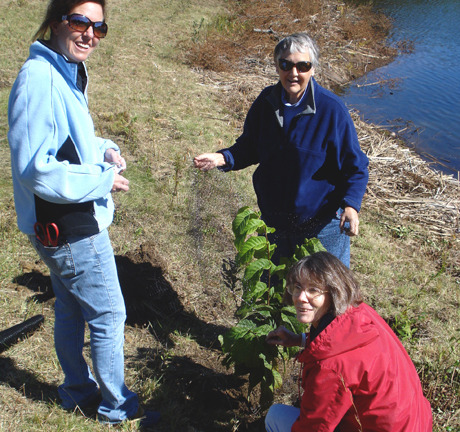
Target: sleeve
pixel 351 161
pixel 36 117
pixel 324 402
pixel 105 144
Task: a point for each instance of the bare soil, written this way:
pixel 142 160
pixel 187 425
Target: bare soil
pixel 352 41
pixel 236 55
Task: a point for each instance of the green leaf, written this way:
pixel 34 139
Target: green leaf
pixel 262 309
pixel 244 310
pixel 255 226
pixel 262 330
pixel 266 251
pixel 290 321
pixel 257 267
pixel 256 292
pixel 246 250
pixel 278 379
pixel 265 307
pixel 264 359
pixel 244 258
pixel 309 247
pixel 239 240
pixel 279 268
pixel 240 217
pixel 244 222
pixel 245 342
pixel 256 242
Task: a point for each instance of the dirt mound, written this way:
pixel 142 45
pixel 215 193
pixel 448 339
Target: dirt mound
pixel 148 294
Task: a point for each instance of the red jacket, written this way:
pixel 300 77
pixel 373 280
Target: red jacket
pixel 358 376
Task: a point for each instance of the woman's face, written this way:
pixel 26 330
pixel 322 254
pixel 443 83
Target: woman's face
pixel 311 306
pixel 77 46
pixel 293 81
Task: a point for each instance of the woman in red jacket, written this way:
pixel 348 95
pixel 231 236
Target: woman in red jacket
pixel 356 374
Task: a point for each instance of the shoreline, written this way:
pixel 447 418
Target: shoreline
pixel 172 234
pixel 352 41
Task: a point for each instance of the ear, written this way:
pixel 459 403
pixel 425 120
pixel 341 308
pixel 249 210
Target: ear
pixel 54 26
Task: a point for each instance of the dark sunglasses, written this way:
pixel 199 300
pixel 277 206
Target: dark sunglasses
pixel 80 23
pixel 287 65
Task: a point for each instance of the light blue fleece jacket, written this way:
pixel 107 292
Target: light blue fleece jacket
pixel 47 110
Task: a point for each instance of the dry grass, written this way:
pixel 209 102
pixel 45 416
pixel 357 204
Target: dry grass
pixel 145 96
pixel 351 40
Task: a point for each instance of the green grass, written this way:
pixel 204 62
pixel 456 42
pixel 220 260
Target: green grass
pixel 145 97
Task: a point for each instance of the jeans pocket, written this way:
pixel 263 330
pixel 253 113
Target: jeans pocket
pixel 58 259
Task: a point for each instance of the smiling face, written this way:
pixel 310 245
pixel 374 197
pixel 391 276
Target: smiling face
pixel 293 81
pixel 77 46
pixel 311 310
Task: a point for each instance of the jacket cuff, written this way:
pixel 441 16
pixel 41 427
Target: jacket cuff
pixel 229 161
pixel 346 203
pixel 304 340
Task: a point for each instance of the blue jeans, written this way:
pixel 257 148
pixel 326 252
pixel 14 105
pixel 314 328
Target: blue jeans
pixel 327 231
pixel 85 282
pixel 280 418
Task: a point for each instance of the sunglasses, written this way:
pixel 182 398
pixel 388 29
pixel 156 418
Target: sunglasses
pixel 301 67
pixel 80 24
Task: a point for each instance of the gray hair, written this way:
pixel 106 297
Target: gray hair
pixel 298 42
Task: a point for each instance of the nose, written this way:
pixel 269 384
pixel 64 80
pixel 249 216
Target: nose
pixel 303 297
pixel 294 71
pixel 89 32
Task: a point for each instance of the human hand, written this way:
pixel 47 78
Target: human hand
pixel 208 161
pixel 350 215
pixel 283 336
pixel 120 183
pixel 113 157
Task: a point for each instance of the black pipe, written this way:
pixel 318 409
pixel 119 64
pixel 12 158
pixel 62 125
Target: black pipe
pixel 10 336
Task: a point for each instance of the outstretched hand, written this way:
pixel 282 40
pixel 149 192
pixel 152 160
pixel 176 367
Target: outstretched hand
pixel 208 161
pixel 283 336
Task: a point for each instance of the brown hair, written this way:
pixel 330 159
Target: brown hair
pixel 58 8
pixel 327 272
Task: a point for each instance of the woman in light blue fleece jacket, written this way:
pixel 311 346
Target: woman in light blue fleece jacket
pixel 63 176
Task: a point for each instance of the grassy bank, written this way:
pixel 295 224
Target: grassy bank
pixel 175 79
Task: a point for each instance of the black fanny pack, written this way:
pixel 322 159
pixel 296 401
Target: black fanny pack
pixel 72 220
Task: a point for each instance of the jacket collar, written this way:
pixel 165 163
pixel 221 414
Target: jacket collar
pixel 355 328
pixel 275 100
pixel 69 70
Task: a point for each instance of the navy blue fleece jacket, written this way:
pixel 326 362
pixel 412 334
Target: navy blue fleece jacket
pixel 310 171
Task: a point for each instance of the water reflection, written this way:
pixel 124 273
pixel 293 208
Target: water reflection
pixel 418 95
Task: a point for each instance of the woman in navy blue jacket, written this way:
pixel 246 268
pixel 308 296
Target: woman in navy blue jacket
pixel 312 174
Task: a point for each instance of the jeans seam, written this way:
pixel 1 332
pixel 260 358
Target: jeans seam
pixel 112 308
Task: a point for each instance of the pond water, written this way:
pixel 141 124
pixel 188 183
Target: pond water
pixel 418 94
